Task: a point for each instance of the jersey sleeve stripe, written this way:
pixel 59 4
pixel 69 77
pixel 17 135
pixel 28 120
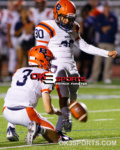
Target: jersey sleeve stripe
pixel 44 29
pixel 44 90
pixel 14 72
pixel 43 41
pixel 53 30
pixel 48 27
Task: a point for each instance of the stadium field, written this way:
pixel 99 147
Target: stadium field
pixel 100 132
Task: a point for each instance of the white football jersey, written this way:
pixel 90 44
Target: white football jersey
pixel 37 16
pixel 60 42
pixel 25 91
pixel 48 33
pixel 3 19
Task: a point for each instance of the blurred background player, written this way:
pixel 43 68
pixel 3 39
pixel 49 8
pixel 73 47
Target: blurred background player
pixel 3 37
pixel 106 24
pixel 13 16
pixel 60 35
pixel 41 12
pixel 23 95
pixel 89 13
pixel 24 32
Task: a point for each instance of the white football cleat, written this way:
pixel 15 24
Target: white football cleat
pixel 12 135
pixel 32 132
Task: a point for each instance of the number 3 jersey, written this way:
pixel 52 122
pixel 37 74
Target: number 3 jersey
pixel 25 91
pixel 48 33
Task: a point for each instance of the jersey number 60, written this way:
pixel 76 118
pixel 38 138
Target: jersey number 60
pixel 39 33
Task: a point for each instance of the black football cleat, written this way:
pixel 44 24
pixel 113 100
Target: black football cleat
pixel 64 137
pixel 12 135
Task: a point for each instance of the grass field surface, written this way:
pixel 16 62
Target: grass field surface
pixel 100 132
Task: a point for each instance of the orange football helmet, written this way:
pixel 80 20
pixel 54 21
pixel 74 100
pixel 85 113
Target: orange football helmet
pixel 40 56
pixel 67 9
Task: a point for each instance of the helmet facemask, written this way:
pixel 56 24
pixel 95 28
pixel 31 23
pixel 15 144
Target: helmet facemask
pixel 66 26
pixel 65 14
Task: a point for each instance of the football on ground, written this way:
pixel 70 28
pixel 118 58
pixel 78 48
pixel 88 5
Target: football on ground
pixel 78 110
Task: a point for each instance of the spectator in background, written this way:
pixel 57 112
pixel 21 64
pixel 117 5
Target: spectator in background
pixel 24 31
pixel 41 12
pixel 88 33
pixel 106 25
pixel 3 38
pixel 13 16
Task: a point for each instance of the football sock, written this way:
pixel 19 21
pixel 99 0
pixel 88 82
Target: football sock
pixel 66 113
pixel 59 123
pixel 10 125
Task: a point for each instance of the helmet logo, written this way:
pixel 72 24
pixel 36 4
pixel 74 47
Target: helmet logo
pixel 43 50
pixel 58 6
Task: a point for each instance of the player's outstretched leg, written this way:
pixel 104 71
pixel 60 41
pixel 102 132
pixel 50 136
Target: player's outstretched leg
pixel 64 121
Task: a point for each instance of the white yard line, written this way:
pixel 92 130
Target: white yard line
pixel 94 111
pixel 88 86
pixel 82 96
pixel 102 119
pixel 101 86
pixel 60 144
pixel 92 97
pixel 98 97
pixel 108 110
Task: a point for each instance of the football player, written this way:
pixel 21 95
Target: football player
pixel 23 95
pixel 41 12
pixel 60 35
pixel 13 17
pixel 3 37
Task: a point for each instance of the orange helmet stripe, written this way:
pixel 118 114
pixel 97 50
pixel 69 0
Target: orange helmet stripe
pixel 34 61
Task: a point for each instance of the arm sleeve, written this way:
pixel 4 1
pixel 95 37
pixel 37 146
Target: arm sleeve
pixel 90 49
pixel 46 88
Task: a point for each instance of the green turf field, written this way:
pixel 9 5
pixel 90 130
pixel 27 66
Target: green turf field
pixel 101 132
